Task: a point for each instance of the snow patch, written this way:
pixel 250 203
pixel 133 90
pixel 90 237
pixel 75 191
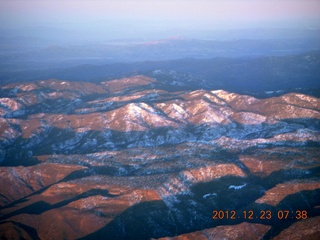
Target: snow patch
pixel 209 195
pixel 237 187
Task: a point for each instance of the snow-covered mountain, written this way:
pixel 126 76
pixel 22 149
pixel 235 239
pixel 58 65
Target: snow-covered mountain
pixel 122 159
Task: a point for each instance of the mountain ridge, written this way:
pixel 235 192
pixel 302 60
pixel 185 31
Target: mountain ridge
pixel 124 159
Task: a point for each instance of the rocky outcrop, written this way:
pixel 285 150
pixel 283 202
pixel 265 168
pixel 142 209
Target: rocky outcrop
pixel 121 160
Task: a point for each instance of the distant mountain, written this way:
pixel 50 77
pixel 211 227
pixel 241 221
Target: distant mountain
pixel 124 159
pixel 300 73
pixel 38 52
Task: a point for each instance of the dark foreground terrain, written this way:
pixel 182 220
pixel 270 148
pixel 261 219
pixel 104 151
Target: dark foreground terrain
pixel 127 159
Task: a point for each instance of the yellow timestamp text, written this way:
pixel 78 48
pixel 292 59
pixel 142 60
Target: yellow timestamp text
pixel 262 214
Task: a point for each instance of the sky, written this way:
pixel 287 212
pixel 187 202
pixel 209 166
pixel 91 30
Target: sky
pixel 160 14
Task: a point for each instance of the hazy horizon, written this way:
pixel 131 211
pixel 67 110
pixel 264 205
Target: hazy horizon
pixel 136 19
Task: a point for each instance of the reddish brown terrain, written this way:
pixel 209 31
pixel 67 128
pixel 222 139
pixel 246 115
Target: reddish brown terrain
pixel 124 159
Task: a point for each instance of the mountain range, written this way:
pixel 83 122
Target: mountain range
pixel 137 158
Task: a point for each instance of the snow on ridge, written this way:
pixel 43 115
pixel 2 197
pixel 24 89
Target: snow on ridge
pixel 10 104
